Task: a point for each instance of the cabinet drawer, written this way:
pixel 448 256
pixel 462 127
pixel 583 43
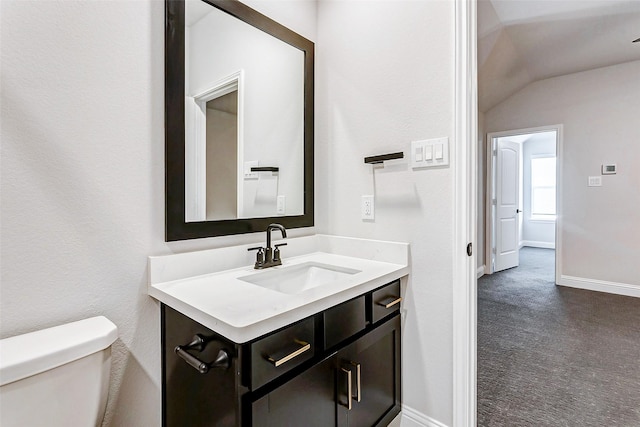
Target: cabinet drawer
pixel 281 351
pixel 385 301
pixel 343 321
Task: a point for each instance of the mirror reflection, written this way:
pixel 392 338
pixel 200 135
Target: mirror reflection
pixel 244 119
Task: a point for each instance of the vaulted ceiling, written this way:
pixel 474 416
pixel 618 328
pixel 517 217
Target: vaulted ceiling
pixel 523 41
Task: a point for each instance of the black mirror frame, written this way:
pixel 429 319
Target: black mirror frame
pixel 176 228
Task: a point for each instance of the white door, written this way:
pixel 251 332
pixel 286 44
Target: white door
pixel 507 204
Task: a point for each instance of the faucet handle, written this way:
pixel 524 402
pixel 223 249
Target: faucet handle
pixel 276 252
pixel 259 256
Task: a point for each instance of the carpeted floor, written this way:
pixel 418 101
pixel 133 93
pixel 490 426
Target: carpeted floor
pixel 555 356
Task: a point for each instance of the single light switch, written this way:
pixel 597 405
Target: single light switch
pixel 428 153
pixel 417 154
pixel 438 151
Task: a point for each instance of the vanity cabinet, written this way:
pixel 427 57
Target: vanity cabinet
pixel 340 367
pixel 373 363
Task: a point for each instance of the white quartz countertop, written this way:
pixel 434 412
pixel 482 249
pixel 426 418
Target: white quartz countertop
pixel 242 311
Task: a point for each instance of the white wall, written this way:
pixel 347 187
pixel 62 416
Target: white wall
pixel 599 110
pixel 82 177
pixel 536 232
pixel 385 78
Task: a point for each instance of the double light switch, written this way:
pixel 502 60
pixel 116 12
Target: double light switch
pixel 430 153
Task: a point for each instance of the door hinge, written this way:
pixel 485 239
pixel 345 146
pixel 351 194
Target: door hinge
pixel 493 250
pixel 494 202
pixel 470 249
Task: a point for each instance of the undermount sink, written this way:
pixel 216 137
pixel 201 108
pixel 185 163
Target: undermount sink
pixel 298 278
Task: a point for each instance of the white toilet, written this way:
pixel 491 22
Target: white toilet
pixel 57 376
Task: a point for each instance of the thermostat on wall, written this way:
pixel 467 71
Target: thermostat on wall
pixel 609 169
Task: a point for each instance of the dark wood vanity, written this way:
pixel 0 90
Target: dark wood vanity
pixel 338 367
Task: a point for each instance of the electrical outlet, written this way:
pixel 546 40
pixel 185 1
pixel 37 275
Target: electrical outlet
pixel 367 207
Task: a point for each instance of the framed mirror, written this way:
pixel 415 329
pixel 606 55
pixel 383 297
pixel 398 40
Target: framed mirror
pixel 238 121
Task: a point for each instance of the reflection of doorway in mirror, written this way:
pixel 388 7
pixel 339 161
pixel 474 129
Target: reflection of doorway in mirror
pixel 222 157
pixel 213 150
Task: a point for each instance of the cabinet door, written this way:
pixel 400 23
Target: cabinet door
pixel 373 364
pixel 189 397
pixel 306 400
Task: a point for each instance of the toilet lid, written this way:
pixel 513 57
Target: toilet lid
pixel 29 354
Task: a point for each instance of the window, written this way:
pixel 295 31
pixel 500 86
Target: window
pixel 543 187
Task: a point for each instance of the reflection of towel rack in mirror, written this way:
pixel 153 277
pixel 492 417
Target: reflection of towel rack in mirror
pixel 264 169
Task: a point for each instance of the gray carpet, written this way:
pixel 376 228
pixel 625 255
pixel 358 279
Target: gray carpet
pixel 555 356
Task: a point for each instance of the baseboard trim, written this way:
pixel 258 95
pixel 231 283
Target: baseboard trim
pixel 480 271
pixel 600 286
pixel 535 244
pixel 413 418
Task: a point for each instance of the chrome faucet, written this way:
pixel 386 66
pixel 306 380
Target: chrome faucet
pixel 268 256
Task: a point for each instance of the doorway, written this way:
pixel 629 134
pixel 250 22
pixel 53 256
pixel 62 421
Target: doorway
pixel 523 194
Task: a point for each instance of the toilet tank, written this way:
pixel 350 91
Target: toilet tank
pixel 57 376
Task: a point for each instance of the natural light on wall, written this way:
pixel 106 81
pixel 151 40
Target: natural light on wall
pixel 543 187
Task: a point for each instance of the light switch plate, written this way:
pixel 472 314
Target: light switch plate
pixel 595 181
pixel 430 153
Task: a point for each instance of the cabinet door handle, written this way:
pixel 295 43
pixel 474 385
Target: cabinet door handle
pixel 295 349
pixel 389 302
pixel 358 387
pixel 349 403
pixel 199 343
pixel 193 361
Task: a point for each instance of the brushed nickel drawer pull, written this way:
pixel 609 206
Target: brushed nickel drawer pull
pixel 358 395
pixel 295 349
pixel 389 302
